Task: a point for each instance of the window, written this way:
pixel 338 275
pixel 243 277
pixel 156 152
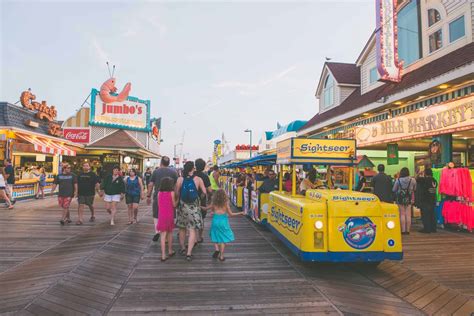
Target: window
pixel 328 91
pixel 436 41
pixel 373 75
pixel 456 29
pixel 433 17
pixel 409 39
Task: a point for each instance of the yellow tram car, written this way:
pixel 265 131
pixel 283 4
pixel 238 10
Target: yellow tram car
pixel 332 225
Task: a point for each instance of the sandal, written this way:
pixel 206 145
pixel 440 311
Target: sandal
pixel 92 219
pixel 164 259
pixel 61 222
pixel 182 252
pixel 189 258
pixel 215 254
pixel 130 223
pixel 68 221
pixel 10 207
pixel 171 254
pixel 78 223
pixel 221 259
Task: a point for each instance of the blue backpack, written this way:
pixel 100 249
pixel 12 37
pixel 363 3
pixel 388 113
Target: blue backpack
pixel 189 192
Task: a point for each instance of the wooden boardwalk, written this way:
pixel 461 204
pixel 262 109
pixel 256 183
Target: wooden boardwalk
pixel 48 269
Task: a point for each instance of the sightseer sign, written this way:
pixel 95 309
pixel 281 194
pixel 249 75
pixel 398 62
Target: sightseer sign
pixel 119 110
pixel 439 119
pixel 316 150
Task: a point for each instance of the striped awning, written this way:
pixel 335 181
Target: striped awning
pixel 47 146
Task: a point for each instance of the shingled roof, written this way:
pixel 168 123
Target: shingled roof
pixel 345 73
pixel 438 67
pixel 118 139
pixel 15 116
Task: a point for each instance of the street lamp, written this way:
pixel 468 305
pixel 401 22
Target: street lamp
pixel 250 131
pixel 174 156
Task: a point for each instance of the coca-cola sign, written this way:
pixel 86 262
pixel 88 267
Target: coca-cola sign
pixel 132 113
pixel 77 135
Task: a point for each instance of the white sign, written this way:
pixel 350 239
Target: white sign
pixel 388 65
pixel 132 113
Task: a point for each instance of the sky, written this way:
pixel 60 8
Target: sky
pixel 208 67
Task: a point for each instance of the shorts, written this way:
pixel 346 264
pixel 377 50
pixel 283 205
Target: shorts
pixel 132 199
pixel 64 201
pixel 155 208
pixel 86 199
pixel 112 198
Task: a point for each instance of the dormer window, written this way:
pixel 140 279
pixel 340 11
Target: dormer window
pixel 433 17
pixel 328 91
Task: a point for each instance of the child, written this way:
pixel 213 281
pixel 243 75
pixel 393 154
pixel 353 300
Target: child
pixel 221 233
pixel 167 203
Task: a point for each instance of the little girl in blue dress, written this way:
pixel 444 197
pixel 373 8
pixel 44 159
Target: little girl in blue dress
pixel 220 233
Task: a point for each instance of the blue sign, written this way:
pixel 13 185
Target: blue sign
pixel 358 232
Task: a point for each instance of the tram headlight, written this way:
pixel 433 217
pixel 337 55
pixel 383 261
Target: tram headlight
pixel 318 224
pixel 390 224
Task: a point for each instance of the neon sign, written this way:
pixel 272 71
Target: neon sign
pixel 388 65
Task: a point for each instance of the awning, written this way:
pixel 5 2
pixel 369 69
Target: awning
pixel 47 146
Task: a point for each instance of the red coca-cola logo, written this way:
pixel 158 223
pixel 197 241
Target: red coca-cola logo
pixel 79 135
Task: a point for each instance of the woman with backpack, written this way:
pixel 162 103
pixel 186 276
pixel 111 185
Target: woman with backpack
pixel 404 188
pixel 189 210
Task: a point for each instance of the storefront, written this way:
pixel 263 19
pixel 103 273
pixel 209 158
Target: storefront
pixel 30 137
pixel 408 100
pixel 118 133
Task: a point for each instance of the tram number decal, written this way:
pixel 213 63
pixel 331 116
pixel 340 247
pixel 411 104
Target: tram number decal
pixel 285 221
pixel 358 232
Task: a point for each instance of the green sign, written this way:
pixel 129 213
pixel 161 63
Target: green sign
pixel 392 154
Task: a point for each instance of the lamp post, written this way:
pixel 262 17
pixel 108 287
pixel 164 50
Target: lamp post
pixel 250 131
pixel 174 156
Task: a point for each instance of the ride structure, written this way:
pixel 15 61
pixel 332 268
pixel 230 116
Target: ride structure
pixel 329 225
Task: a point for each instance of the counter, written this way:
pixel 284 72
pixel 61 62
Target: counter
pixel 26 189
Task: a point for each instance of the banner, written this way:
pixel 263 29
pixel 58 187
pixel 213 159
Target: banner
pixel 447 118
pixel 392 154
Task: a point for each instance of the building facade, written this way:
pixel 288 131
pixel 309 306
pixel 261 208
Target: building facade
pixel 431 103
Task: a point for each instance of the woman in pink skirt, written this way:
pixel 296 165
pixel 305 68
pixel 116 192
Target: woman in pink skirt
pixel 167 203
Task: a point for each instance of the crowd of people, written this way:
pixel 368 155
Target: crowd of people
pixel 406 192
pixel 176 200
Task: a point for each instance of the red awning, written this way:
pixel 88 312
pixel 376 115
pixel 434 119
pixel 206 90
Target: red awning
pixel 47 146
